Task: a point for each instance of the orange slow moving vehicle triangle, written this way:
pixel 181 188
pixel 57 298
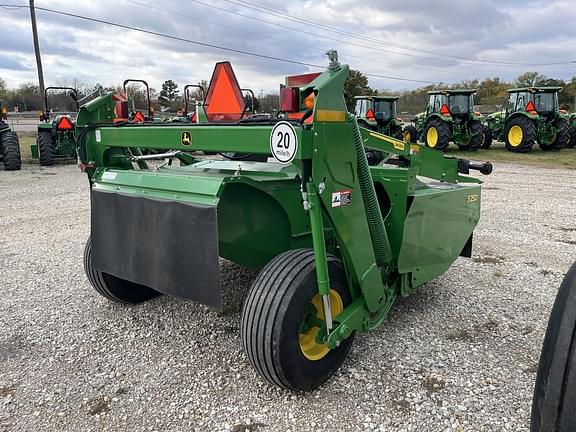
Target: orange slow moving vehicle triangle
pixel 224 100
pixel 65 124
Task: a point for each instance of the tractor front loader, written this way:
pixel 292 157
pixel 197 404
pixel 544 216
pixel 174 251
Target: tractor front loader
pixel 532 115
pixel 335 241
pixel 56 134
pixel 450 117
pixel 9 144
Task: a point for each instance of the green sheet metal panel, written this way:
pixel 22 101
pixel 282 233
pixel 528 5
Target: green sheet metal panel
pixel 438 224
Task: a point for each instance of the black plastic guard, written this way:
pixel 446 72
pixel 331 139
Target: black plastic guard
pixel 169 246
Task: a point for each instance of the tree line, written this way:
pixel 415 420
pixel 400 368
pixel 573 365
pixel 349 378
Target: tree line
pixel 492 94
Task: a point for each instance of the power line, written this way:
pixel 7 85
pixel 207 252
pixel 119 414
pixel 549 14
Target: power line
pixel 281 40
pixel 286 16
pixel 205 44
pixel 302 31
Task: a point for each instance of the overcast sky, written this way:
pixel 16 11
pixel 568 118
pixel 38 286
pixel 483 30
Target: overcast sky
pixel 429 40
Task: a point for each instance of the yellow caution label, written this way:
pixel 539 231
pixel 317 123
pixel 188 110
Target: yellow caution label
pixel 330 115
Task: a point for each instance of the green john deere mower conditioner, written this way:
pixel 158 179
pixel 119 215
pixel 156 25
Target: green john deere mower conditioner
pixel 532 115
pixel 335 241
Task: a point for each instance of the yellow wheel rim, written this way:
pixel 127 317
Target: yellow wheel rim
pixel 432 137
pixel 515 136
pixel 406 136
pixel 310 348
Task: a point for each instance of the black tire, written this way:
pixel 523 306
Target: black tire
pixel 113 288
pixel 572 142
pixel 46 149
pixel 272 316
pixel 528 134
pixel 488 137
pixel 443 131
pixel 555 389
pixel 11 151
pixel 396 132
pixel 410 134
pixel 476 138
pixel 562 136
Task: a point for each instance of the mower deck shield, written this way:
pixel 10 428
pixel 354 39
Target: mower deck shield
pixel 170 246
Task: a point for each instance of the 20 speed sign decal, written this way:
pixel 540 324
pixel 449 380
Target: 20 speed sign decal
pixel 283 142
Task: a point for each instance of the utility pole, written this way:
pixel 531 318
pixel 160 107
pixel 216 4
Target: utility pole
pixel 37 47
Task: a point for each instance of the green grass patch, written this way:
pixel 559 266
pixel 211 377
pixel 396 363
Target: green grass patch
pixel 565 158
pixel 26 140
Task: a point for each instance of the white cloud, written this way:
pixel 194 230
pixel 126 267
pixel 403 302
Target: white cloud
pixel 512 31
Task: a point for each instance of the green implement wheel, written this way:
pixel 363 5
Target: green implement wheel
pixel 488 136
pixel 476 137
pixel 555 389
pixel 520 134
pixel 410 135
pixel 437 134
pixel 46 149
pixel 113 288
pixel 282 316
pixel 11 151
pixel 562 138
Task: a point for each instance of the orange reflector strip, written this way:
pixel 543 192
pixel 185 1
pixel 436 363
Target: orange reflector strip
pixel 309 101
pixel 330 115
pixel 138 117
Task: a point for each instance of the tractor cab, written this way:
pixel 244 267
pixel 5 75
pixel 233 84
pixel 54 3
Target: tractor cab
pixel 375 110
pixel 541 100
pixel 379 113
pixel 457 103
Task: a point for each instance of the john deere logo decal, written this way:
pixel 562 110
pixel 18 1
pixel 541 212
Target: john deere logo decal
pixel 186 138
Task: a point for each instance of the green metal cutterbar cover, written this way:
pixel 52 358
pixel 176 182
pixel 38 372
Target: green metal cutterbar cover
pixel 142 235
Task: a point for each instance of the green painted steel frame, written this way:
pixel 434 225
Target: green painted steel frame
pixel 324 165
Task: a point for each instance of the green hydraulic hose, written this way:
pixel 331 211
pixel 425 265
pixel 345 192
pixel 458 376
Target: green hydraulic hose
pixel 378 233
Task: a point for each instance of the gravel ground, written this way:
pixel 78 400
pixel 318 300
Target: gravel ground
pixel 460 354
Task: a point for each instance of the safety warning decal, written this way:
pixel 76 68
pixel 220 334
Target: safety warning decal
pixel 341 198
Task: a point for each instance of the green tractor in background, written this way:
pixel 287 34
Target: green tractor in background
pixel 9 145
pixel 572 121
pixel 531 115
pixel 450 117
pixel 56 138
pixel 379 114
